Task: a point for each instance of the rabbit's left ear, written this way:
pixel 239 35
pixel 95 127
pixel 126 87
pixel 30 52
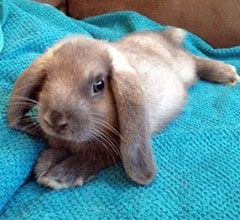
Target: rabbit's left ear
pixel 135 143
pixel 24 95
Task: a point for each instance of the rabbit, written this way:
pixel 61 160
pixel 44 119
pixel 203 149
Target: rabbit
pixel 100 102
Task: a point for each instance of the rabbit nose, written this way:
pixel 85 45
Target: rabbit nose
pixel 55 120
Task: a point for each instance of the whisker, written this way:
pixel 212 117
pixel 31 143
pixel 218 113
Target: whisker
pixel 23 103
pixel 101 145
pixel 108 140
pixel 107 129
pixel 29 126
pixel 23 87
pixel 106 124
pixel 27 119
pixel 22 98
pixel 18 120
pixel 30 129
pixel 105 143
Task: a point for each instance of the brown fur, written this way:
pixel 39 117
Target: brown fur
pixel 146 76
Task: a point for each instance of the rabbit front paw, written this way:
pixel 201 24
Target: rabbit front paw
pixel 59 169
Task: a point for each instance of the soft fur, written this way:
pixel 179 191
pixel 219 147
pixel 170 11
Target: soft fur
pixel 146 76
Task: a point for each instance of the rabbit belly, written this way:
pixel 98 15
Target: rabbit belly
pixel 164 101
pixel 165 91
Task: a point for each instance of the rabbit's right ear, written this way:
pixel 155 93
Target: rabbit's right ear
pixel 133 120
pixel 24 95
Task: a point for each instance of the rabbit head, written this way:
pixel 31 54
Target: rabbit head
pixel 85 88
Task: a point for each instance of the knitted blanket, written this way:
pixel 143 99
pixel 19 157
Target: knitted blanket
pixel 198 155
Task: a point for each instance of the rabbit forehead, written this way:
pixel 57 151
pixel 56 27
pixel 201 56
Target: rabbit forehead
pixel 80 48
pixel 78 57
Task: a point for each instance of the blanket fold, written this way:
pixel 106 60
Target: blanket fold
pixel 198 155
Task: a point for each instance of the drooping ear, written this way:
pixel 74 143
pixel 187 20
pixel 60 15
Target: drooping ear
pixel 24 96
pixel 135 143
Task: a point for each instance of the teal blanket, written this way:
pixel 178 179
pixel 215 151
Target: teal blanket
pixel 198 155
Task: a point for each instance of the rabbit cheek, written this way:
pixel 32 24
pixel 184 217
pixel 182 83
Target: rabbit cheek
pixel 105 114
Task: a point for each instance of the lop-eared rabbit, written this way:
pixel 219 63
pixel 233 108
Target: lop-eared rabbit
pixel 100 102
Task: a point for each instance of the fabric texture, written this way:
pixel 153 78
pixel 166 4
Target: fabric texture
pixel 198 155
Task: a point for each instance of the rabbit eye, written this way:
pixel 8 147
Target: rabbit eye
pixel 98 85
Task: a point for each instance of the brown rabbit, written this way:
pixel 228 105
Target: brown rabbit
pixel 100 102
